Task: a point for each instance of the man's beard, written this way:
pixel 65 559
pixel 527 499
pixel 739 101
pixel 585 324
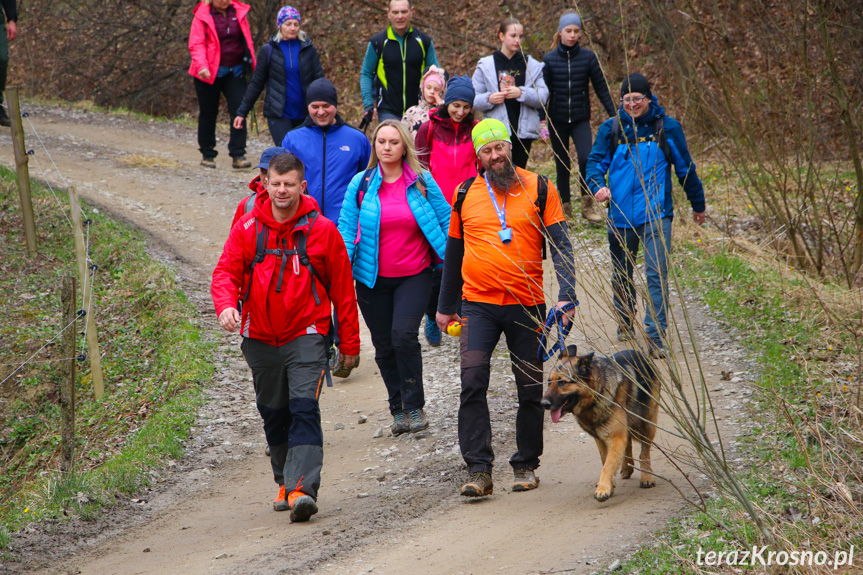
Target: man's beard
pixel 502 177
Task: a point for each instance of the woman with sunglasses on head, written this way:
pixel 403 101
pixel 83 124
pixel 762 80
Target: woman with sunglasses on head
pixel 568 71
pixel 509 87
pixel 395 221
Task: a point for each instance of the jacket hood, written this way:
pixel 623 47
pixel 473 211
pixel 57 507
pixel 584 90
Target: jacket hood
pixel 447 125
pixel 264 212
pixel 655 111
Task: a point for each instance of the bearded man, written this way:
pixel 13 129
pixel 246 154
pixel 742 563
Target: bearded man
pixel 494 249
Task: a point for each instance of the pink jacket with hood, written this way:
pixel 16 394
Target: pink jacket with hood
pixel 204 40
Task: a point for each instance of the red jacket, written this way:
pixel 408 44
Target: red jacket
pixel 276 318
pixel 204 40
pixel 451 158
pixel 256 187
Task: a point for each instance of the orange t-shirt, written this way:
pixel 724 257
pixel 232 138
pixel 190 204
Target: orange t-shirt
pixel 498 273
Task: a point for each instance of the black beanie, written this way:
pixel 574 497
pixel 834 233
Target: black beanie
pixel 635 83
pixel 322 90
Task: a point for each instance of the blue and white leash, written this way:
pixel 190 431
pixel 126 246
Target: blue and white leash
pixel 555 317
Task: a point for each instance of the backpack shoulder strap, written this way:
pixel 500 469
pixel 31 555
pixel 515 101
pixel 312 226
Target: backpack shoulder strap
pixel 250 203
pixel 269 52
pixel 302 253
pixel 662 140
pixel 260 252
pixel 541 195
pixel 364 186
pixel 615 135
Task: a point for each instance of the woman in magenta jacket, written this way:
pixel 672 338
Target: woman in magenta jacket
pixel 220 44
pixel 444 144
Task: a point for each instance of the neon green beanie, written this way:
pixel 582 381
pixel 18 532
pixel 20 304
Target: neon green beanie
pixel 487 131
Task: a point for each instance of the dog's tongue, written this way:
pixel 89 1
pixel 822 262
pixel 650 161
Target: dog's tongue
pixel 555 414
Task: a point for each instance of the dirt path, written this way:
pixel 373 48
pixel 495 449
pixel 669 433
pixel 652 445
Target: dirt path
pixel 387 505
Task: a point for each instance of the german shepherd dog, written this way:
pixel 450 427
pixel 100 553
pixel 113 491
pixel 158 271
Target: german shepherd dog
pixel 615 400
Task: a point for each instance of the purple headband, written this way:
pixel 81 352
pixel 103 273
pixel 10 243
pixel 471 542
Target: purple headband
pixel 287 13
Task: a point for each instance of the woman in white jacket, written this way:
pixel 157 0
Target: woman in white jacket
pixel 510 88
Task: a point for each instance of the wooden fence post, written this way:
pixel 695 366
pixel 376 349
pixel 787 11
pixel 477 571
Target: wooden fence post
pixel 67 380
pixel 81 254
pixel 23 173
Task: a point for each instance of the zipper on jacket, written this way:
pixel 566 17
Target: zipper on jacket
pixel 569 88
pixel 324 169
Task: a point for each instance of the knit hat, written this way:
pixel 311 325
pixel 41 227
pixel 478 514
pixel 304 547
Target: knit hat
pixel 487 131
pixel 434 74
pixel 322 90
pixel 635 83
pixel 285 14
pixel 269 154
pixel 459 88
pixel 568 19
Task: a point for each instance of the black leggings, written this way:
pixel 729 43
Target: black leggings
pixel 208 104
pixel 520 151
pixel 392 311
pixel 560 133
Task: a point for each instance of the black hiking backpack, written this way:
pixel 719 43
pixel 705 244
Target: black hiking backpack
pixel 619 137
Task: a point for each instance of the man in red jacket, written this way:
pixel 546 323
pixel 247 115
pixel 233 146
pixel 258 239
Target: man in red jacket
pixel 286 320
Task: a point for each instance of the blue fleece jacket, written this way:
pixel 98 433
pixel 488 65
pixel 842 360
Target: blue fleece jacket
pixel 639 176
pixel 331 157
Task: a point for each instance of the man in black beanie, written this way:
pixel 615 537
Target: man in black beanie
pixel 333 153
pixel 637 151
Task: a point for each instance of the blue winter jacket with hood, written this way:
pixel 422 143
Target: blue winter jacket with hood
pixel 360 226
pixel 639 176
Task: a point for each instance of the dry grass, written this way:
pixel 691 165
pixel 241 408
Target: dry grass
pixel 144 161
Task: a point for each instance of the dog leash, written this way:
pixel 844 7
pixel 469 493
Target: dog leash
pixel 555 318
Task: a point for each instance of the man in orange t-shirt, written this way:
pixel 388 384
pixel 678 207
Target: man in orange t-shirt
pixel 495 248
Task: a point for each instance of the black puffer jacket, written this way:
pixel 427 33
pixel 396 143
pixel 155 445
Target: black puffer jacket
pixel 270 72
pixel 567 72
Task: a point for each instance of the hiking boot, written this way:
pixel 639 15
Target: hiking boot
pixel 338 368
pixel 209 163
pixel 432 331
pixel 656 349
pixel 588 210
pixel 418 421
pixel 279 503
pixel 4 119
pixel 567 209
pixel 524 480
pixel 625 334
pixel 267 449
pixel 400 424
pixel 478 485
pixel 240 163
pixel 302 506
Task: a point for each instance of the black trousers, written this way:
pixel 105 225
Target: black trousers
pixel 208 105
pixel 483 325
pixel 560 133
pixel 392 311
pixel 280 126
pixel 520 151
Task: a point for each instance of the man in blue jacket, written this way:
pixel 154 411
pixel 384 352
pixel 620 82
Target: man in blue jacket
pixel 637 151
pixel 332 151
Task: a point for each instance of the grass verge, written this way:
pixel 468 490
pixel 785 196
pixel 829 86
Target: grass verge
pixel 155 364
pixel 804 448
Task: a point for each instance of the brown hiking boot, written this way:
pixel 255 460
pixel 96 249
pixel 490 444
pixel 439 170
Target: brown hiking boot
pixel 209 163
pixel 479 485
pixel 418 420
pixel 240 163
pixel 524 480
pixel 401 423
pixel 567 209
pixel 588 210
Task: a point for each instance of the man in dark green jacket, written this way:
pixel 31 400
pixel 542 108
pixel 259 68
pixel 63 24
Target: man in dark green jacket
pixel 395 62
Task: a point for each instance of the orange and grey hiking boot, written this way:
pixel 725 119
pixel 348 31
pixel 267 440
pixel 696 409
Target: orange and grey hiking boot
pixel 479 485
pixel 279 503
pixel 524 480
pixel 302 506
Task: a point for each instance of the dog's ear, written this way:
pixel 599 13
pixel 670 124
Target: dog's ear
pixel 584 363
pixel 568 351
